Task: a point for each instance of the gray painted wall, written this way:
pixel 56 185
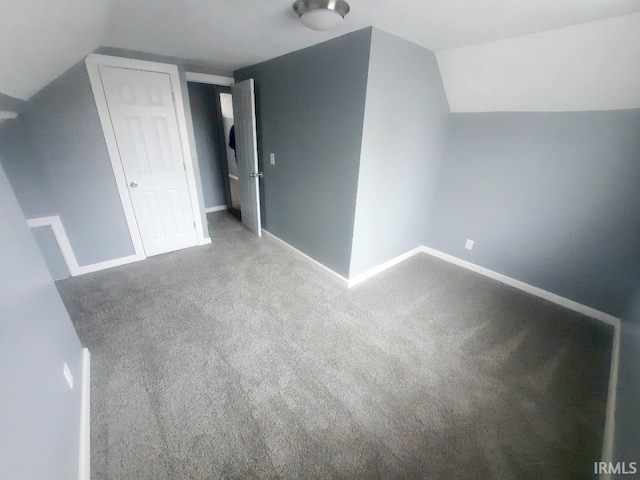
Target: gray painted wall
pixel 67 136
pixel 39 413
pixel 25 169
pixel 11 104
pixel 627 432
pixel 51 252
pixel 56 159
pixel 223 142
pixel 551 199
pixel 209 146
pixel 405 123
pixel 310 109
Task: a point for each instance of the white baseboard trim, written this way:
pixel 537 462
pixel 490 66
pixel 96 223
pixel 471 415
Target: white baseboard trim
pixel 116 262
pixel 609 432
pixel 381 268
pixel 525 287
pixel 7 115
pixel 219 208
pixel 60 234
pixel 337 276
pixel 204 241
pixel 62 239
pixel 610 422
pixel 84 472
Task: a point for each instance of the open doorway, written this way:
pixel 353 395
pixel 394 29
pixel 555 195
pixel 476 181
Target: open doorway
pixel 217 164
pixel 226 104
pixel 212 116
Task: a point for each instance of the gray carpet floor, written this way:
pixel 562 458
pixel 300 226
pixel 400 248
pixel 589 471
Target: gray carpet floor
pixel 240 360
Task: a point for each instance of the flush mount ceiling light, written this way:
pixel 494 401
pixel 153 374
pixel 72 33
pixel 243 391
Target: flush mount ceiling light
pixel 321 14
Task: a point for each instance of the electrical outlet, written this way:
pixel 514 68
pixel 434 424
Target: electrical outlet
pixel 468 244
pixel 272 158
pixel 67 375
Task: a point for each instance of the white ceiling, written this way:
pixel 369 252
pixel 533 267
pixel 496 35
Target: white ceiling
pixel 590 66
pixel 40 39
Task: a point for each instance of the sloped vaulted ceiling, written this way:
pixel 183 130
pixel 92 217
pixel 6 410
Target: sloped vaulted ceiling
pixel 40 39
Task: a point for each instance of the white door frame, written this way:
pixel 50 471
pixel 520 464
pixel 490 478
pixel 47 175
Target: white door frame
pixel 209 79
pixel 93 61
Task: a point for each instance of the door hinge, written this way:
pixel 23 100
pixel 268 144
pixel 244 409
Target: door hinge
pixel 194 224
pixel 184 165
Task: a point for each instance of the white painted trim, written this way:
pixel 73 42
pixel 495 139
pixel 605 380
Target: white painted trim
pixel 234 177
pixel 7 115
pixel 188 158
pixel 116 262
pixel 84 472
pixel 339 277
pixel 609 431
pixel 205 241
pixel 610 423
pixel 209 79
pixel 219 208
pixel 59 233
pixel 525 287
pixel 93 61
pixel 381 268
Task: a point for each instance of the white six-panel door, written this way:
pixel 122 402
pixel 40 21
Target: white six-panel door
pixel 244 117
pixel 143 117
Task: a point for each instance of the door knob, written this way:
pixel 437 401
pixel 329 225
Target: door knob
pixel 133 184
pixel 256 174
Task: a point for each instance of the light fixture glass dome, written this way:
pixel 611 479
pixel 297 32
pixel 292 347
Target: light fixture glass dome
pixel 321 19
pixel 321 14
